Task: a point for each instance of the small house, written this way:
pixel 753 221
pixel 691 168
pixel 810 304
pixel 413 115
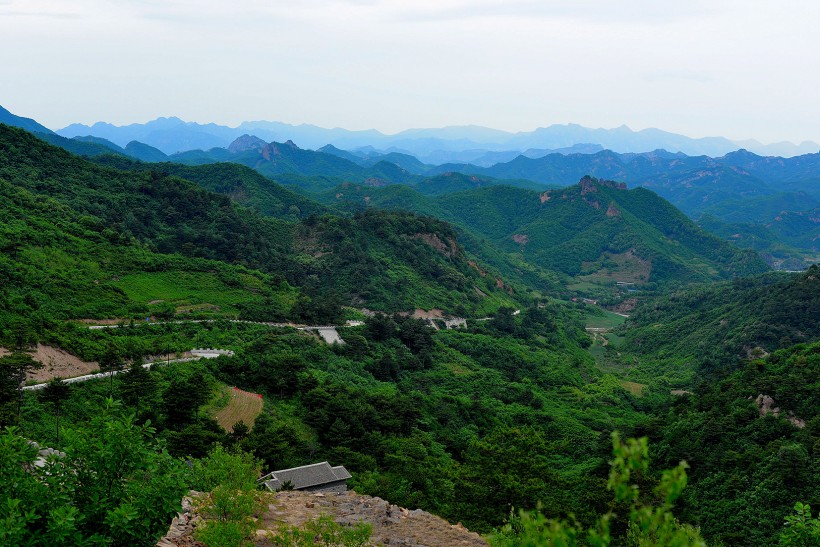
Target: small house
pixel 316 477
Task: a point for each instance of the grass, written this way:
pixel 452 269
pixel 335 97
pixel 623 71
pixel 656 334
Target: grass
pixel 240 406
pixel 604 320
pixel 583 286
pixel 634 388
pixel 615 341
pixel 597 350
pixel 199 292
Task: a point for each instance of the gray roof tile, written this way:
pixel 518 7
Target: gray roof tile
pixel 306 476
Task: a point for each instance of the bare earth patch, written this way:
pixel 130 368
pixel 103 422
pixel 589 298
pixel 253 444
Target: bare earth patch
pixel 435 313
pixel 57 364
pixel 100 321
pixel 634 388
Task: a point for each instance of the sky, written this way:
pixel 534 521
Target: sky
pixel 734 68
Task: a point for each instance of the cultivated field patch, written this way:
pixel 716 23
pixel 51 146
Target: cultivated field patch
pixel 241 406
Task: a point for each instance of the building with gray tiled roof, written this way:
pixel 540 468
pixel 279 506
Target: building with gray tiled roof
pixel 316 477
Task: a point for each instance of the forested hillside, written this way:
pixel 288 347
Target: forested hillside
pixel 717 324
pixel 596 231
pixel 513 410
pixel 467 424
pixel 145 212
pixel 242 184
pixel 751 440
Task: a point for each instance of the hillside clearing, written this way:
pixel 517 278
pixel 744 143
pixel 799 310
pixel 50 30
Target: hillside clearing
pixel 241 406
pixel 57 363
pixel 634 388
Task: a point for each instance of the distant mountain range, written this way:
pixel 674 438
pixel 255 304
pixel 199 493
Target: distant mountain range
pixel 767 203
pixel 440 145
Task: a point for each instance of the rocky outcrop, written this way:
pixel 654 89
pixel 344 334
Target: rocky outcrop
pixel 590 184
pixel 245 143
pixel 392 525
pixel 613 211
pixel 180 533
pixel 766 405
pixel 274 149
pixel 448 248
pixel 587 185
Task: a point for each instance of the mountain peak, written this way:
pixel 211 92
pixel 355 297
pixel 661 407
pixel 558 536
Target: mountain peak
pixel 246 142
pixel 590 184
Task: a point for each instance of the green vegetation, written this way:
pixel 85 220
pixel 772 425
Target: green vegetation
pixel 232 500
pixel 126 223
pixel 514 411
pixel 800 528
pixel 242 184
pixel 596 232
pixel 203 294
pixel 604 319
pixel 322 531
pixel 647 525
pixel 114 485
pixel 748 465
pixel 714 325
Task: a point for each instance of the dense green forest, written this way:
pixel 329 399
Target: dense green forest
pixel 151 212
pixel 746 465
pixel 594 234
pixel 515 410
pixel 715 325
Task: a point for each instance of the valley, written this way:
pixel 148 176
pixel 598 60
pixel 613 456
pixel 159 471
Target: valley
pixel 471 342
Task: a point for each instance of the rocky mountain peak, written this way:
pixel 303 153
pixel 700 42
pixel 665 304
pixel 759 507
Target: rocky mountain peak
pixel 246 142
pixel 590 184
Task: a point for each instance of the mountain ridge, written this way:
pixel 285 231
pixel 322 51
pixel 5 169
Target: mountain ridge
pixel 173 135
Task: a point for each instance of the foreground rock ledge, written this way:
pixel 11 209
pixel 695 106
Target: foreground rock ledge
pixel 392 525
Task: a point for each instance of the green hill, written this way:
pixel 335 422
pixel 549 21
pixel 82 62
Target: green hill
pixel 447 183
pixel 80 147
pixel 144 152
pixel 242 184
pixel 98 140
pixel 155 211
pixel 597 231
pixel 720 323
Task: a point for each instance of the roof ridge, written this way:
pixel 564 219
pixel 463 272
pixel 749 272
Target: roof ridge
pixel 301 467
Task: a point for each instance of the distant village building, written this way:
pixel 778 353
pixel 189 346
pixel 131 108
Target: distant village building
pixel 316 477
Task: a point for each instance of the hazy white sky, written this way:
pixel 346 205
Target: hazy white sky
pixel 736 68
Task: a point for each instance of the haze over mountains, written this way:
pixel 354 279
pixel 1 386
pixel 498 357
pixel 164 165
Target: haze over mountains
pixel 436 145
